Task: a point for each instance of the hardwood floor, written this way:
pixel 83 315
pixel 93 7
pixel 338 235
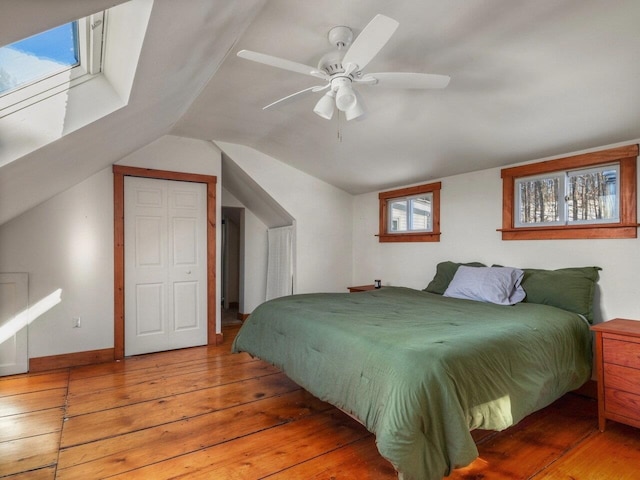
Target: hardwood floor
pixel 206 413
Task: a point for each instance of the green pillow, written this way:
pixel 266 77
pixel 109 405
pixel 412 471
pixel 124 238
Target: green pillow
pixel 445 272
pixel 571 289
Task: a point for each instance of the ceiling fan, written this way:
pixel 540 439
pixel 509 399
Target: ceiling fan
pixel 342 68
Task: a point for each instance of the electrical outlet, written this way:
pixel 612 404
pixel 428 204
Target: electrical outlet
pixel 77 322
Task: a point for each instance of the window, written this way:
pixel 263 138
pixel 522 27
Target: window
pixel 38 57
pixel 49 62
pixel 585 196
pixel 109 45
pixel 410 214
pixel 574 197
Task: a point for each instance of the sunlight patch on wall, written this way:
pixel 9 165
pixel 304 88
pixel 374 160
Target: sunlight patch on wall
pixel 26 317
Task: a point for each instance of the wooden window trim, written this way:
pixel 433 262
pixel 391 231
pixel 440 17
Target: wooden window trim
pixel 384 197
pixel 627 227
pixel 119 172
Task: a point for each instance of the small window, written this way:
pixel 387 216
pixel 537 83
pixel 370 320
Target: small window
pixel 586 196
pixel 410 214
pixel 46 63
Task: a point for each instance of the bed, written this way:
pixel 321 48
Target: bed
pixel 420 369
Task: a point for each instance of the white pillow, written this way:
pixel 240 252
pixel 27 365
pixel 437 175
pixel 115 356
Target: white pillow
pixel 500 285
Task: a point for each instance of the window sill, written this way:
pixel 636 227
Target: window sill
pixel 409 237
pixel 576 232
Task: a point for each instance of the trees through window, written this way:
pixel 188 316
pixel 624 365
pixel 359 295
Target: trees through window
pixel 579 196
pixel 585 196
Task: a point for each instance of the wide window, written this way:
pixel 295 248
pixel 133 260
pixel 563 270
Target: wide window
pixel 575 197
pixel 586 196
pixel 46 63
pixel 410 214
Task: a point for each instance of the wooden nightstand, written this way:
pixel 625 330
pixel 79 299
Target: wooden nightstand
pixel 618 367
pixel 361 288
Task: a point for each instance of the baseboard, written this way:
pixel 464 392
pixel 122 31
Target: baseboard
pixel 243 316
pixel 66 360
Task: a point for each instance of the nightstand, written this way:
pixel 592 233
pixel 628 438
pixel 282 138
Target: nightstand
pixel 618 367
pixel 361 288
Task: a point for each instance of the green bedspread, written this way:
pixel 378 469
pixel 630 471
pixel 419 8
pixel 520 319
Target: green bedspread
pixel 420 370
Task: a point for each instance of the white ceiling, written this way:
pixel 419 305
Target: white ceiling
pixel 529 79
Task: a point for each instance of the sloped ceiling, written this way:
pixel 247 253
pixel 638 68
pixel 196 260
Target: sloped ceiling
pixel 183 47
pixel 530 79
pixel 253 196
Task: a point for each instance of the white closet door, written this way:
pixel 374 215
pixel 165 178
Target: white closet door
pixel 14 323
pixel 165 265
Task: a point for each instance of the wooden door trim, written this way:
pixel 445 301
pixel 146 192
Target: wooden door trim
pixel 121 171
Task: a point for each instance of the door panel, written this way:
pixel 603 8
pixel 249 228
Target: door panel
pixel 150 309
pixel 185 244
pixel 185 301
pixel 149 242
pixel 165 265
pixel 14 303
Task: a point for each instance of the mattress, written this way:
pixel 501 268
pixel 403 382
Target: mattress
pixel 420 370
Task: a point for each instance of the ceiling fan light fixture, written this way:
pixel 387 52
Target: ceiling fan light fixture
pixel 345 98
pixel 325 105
pixel 344 65
pixel 355 111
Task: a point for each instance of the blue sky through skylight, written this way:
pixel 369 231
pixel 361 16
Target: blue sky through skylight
pixel 38 56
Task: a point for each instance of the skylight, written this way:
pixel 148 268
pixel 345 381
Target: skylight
pixel 58 81
pixel 38 57
pixel 50 62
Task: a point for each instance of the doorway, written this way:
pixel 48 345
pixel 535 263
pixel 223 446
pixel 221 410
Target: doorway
pixel 232 258
pixel 165 265
pixel 119 173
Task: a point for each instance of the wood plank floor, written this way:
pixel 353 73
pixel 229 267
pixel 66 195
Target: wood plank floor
pixel 205 413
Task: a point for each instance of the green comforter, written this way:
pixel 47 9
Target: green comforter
pixel 420 370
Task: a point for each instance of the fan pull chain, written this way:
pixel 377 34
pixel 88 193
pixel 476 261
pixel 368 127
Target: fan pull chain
pixel 339 128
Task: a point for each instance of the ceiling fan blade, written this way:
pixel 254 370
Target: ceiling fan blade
pixel 370 41
pixel 282 63
pixel 295 96
pixel 405 80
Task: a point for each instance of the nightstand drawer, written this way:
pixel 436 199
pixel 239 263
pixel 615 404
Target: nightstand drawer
pixel 622 403
pixel 617 363
pixel 621 352
pixel 622 378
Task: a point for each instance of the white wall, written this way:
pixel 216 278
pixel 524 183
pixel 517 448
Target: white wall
pixel 471 211
pixel 323 216
pixel 253 256
pixel 67 243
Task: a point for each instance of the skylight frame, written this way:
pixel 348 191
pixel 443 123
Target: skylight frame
pixel 90 49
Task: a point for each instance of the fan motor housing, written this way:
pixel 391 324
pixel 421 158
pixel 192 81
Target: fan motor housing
pixel 340 37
